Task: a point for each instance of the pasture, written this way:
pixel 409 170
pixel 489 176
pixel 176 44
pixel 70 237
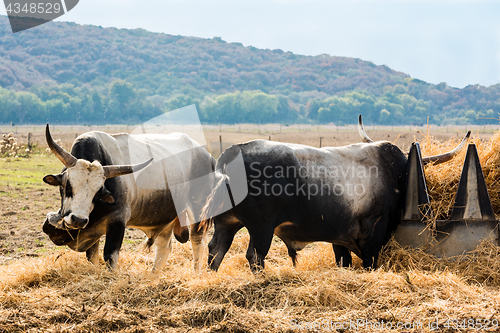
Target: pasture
pixel 48 288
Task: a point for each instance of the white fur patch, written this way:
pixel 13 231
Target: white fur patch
pixel 85 179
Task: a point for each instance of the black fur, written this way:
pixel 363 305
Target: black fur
pixel 298 218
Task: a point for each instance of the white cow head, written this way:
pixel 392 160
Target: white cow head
pixel 82 184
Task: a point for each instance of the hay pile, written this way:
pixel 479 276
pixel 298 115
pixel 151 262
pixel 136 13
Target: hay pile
pixel 63 292
pixel 442 179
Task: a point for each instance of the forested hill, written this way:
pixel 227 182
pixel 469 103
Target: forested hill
pixel 165 64
pixel 78 73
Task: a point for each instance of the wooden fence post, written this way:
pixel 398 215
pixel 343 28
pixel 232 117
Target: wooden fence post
pixel 220 142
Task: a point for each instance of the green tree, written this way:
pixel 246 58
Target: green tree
pixel 384 117
pixel 123 92
pixel 179 102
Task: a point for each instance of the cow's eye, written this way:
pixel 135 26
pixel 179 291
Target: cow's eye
pixel 68 190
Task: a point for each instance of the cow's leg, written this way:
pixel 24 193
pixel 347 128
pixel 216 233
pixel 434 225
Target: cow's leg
pixel 198 241
pixel 114 239
pixel 369 252
pixel 370 260
pixel 292 253
pixel 181 231
pixel 163 247
pixel 371 245
pixel 343 256
pixel 259 245
pixel 221 242
pixel 93 253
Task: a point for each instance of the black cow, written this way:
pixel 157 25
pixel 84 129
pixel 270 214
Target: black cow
pixel 349 196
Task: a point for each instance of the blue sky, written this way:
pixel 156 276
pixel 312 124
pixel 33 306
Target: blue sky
pixel 457 42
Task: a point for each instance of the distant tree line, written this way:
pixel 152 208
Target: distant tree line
pixel 121 103
pixel 68 73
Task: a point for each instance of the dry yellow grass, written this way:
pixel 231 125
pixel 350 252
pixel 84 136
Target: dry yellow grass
pixel 62 292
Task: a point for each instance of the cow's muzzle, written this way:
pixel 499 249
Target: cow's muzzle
pixel 53 227
pixel 75 222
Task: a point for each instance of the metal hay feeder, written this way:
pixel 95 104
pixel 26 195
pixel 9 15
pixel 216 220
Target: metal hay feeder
pixel 471 220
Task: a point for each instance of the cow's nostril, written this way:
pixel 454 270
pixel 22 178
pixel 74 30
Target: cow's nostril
pixel 78 221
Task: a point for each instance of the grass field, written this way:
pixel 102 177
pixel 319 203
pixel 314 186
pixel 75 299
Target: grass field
pixel 49 288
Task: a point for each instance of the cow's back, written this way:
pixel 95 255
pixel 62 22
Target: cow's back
pixel 148 197
pixel 329 187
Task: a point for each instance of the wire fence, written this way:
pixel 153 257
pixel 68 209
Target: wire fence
pixel 248 128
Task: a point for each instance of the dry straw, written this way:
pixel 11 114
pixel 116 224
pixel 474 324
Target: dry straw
pixel 442 179
pixel 62 292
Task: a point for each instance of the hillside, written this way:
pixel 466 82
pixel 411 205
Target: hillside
pixel 65 72
pixel 165 64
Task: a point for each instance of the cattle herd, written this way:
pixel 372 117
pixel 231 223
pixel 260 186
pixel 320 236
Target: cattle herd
pixel 350 196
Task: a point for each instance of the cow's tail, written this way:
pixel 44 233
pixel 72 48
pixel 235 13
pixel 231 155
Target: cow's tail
pixel 215 201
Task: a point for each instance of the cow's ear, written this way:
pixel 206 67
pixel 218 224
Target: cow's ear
pixel 106 197
pixel 54 180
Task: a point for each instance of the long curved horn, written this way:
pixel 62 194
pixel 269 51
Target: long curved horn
pixel 111 171
pixel 446 156
pixel 362 132
pixel 66 158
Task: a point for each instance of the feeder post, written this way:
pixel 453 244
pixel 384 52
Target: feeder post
pixel 413 230
pixel 472 219
pixel 472 201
